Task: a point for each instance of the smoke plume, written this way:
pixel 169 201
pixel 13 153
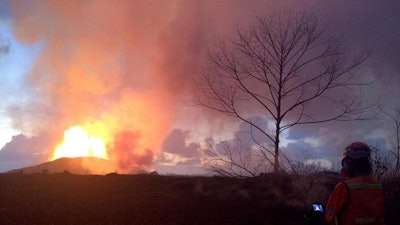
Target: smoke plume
pixel 99 68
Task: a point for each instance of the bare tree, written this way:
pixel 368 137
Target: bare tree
pixel 394 118
pixel 233 159
pixel 287 69
pixel 379 162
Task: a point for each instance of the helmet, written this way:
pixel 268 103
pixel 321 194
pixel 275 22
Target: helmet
pixel 357 150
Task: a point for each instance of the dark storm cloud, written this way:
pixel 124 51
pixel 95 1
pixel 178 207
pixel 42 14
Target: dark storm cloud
pixel 4 46
pixel 244 136
pixel 369 25
pixel 245 133
pixel 300 150
pixel 17 148
pixel 23 150
pixel 374 25
pixel 176 143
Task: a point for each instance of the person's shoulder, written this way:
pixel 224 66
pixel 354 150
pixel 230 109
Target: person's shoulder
pixel 364 179
pixel 372 180
pixel 361 179
pixel 341 185
pixel 363 182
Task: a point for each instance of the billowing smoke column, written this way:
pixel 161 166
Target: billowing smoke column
pixel 100 69
pixel 118 69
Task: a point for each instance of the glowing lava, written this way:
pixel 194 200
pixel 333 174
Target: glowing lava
pixel 78 143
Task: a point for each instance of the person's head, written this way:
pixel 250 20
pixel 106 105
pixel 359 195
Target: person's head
pixel 355 160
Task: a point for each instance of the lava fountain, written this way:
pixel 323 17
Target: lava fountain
pixel 78 143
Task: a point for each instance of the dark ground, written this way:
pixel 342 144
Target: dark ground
pixel 148 200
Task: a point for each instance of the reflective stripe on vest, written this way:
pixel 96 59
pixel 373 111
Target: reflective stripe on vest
pixel 360 190
pixel 369 220
pixel 364 185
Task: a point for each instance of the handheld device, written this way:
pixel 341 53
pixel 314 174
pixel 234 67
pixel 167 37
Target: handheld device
pixel 317 207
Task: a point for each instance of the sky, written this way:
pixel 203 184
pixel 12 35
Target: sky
pixel 124 71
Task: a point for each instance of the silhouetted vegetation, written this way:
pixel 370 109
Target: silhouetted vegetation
pixel 393 117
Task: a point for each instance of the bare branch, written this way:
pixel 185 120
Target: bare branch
pixel 280 68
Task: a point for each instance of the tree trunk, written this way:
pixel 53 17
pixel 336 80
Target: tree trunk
pixel 276 150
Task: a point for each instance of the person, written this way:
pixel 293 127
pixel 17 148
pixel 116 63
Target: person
pixel 359 198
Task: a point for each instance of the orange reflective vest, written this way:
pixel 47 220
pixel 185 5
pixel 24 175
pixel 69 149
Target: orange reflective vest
pixel 356 201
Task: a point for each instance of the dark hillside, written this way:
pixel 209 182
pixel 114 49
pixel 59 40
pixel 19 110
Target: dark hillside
pixel 64 198
pixel 137 199
pixel 77 165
